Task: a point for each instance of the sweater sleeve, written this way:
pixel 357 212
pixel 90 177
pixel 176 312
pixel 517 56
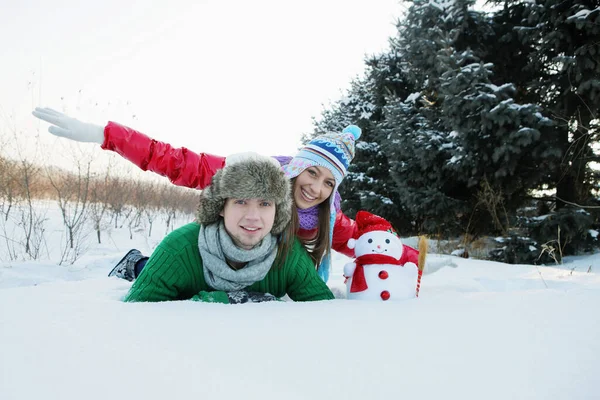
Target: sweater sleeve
pixel 211 297
pixel 182 166
pixel 304 284
pixel 343 230
pixel 162 279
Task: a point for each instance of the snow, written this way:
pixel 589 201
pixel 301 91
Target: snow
pixel 482 330
pixel 458 252
pixel 495 88
pixel 413 97
pixel 454 159
pixel 368 146
pixel 540 217
pixel 582 14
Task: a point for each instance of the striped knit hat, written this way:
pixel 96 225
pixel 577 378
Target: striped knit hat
pixel 334 151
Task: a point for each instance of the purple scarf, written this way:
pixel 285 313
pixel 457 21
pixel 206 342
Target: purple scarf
pixel 309 218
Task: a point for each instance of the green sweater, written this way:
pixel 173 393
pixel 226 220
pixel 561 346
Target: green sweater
pixel 175 272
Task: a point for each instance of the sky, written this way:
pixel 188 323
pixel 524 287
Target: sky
pixel 212 75
pixel 483 330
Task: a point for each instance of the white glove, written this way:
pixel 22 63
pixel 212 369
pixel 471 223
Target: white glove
pixel 437 263
pixel 70 128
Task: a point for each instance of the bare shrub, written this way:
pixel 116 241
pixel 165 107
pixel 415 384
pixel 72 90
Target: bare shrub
pixel 30 218
pixel 118 190
pixel 72 196
pixel 493 201
pixel 7 189
pixel 147 202
pixel 175 200
pixel 99 201
pixel 22 175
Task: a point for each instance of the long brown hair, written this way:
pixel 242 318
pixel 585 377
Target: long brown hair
pixel 320 245
pixel 286 240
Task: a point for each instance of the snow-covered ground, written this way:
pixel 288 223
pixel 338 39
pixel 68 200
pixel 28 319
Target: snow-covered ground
pixel 484 330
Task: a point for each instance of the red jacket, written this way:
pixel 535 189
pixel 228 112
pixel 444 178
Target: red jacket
pixel 185 168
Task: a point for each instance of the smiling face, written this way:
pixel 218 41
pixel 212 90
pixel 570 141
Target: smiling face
pixel 379 242
pixel 313 186
pixel 248 221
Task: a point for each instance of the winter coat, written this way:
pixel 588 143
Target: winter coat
pixel 175 272
pixel 183 167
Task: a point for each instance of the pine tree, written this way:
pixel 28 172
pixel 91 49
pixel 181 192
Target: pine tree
pixel 460 108
pixel 368 185
pixel 498 141
pixel 418 150
pixel 357 108
pixel 465 135
pixel 563 42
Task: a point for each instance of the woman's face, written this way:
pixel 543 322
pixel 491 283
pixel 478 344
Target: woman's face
pixel 313 186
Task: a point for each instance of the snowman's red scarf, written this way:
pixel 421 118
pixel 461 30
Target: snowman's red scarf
pixel 359 283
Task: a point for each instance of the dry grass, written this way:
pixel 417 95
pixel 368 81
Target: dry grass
pixel 473 248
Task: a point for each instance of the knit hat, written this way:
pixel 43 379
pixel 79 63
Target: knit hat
pixel 248 176
pixel 334 151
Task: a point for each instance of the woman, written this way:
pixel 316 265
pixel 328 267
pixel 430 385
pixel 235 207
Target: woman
pixel 316 173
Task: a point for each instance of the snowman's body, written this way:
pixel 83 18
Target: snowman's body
pixel 400 284
pixel 396 280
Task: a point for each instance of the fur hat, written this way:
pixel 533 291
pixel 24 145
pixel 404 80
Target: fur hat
pixel 248 176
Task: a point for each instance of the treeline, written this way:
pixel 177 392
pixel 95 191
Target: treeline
pixel 85 198
pixel 482 123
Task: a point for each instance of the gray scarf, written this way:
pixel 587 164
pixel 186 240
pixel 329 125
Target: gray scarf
pixel 216 246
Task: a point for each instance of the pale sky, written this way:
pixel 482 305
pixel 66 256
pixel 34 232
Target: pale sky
pixel 215 76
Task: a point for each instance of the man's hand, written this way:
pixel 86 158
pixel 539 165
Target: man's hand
pixel 234 297
pixel 70 128
pixel 242 296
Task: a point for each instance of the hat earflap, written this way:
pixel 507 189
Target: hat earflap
pixel 211 204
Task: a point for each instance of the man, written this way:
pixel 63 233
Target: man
pixel 240 249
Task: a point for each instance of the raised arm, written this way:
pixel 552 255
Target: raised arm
pixel 182 166
pixel 343 230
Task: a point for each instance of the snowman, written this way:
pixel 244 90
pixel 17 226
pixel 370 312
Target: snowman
pixel 384 268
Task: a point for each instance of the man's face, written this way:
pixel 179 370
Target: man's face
pixel 248 221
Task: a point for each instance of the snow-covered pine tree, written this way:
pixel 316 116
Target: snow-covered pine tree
pixel 570 36
pixel 417 150
pixel 355 107
pixel 420 145
pixel 448 62
pixel 498 144
pixel 370 172
pixel 464 131
pixel 563 38
pixel 368 185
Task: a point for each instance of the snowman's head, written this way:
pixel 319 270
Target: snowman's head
pixel 377 242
